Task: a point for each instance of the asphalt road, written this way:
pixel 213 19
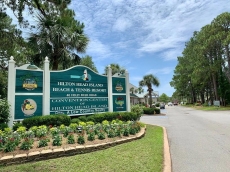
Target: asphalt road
pixel 199 140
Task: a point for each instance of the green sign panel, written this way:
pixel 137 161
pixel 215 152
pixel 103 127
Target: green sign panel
pixel 27 106
pixel 78 90
pixel 118 85
pixel 119 103
pixel 29 81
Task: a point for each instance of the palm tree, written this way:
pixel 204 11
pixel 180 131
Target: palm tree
pixel 59 37
pixel 139 90
pixel 132 90
pixel 148 81
pixel 116 68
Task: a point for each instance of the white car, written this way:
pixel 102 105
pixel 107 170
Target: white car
pixel 170 104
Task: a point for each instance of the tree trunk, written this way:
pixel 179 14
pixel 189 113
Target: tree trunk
pixel 216 96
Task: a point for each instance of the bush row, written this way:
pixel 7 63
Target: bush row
pixel 151 111
pixel 57 120
pixel 54 120
pixel 109 116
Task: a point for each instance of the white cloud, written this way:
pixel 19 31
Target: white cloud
pixel 165 70
pixel 122 24
pixel 100 50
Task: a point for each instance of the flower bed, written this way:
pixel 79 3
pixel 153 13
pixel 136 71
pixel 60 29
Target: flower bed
pixel 24 141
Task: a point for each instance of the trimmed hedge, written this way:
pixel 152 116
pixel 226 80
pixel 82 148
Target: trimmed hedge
pixel 57 120
pixel 109 116
pixel 54 120
pixel 151 111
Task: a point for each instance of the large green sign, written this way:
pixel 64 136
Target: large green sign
pixel 118 85
pixel 29 81
pixel 78 91
pixel 27 106
pixel 119 103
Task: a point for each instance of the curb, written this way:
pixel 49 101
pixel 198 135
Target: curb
pixel 167 155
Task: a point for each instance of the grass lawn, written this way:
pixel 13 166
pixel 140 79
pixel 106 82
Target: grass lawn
pixel 143 155
pixel 209 108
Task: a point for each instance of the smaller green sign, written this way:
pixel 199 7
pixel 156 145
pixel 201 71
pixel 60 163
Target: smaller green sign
pixel 29 81
pixel 119 103
pixel 118 85
pixel 27 106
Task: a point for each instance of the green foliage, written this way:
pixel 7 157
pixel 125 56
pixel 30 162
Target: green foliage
pixel 149 81
pixel 27 144
pixel 151 111
pixel 4 111
pixel 54 131
pixel 43 142
pixel 163 98
pixel 17 125
pixel 87 61
pixel 73 126
pixel 10 144
pixel 83 118
pixel 116 68
pixel 111 133
pixel 101 134
pixel 157 111
pixel 54 120
pixel 81 139
pixel 138 109
pixel 205 73
pixel 109 116
pixel 75 120
pixel 3 126
pixel 56 22
pixel 42 131
pixel 57 140
pixel 71 139
pixel 91 135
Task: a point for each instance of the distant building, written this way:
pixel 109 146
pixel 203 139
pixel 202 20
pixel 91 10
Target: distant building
pixel 139 98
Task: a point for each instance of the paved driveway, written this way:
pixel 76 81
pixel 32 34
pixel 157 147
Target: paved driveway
pixel 199 140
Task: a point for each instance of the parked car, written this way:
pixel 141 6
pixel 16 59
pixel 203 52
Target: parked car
pixel 175 103
pixel 162 106
pixel 170 104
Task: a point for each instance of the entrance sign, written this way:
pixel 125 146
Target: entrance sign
pixel 74 91
pixel 78 90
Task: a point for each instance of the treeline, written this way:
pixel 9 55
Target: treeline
pixel 203 71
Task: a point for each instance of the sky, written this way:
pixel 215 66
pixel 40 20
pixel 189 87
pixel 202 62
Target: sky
pixel 143 36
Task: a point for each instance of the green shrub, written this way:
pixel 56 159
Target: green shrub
pixel 82 118
pixel 138 109
pixel 149 110
pixel 205 104
pixel 75 120
pixel 4 111
pixel 99 117
pixel 17 125
pixel 157 111
pixel 109 116
pixel 157 104
pixel 3 125
pixel 197 104
pixel 54 120
pixel 90 118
